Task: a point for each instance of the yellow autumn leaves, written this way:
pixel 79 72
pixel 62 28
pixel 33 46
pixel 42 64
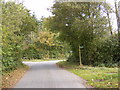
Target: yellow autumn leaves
pixel 47 37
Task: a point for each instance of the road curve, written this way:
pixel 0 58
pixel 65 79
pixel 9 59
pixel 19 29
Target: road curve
pixel 47 75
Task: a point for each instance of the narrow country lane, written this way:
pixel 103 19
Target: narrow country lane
pixel 47 75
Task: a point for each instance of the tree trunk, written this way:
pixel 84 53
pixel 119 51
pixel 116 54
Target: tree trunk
pixel 110 28
pixel 118 19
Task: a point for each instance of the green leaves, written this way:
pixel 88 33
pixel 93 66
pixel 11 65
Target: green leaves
pixel 17 23
pixel 84 24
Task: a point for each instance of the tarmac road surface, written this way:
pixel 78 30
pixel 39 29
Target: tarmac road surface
pixel 48 75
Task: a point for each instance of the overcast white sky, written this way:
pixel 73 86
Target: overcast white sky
pixel 39 7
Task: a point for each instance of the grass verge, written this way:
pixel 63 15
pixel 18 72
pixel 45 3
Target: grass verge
pixel 98 77
pixel 9 79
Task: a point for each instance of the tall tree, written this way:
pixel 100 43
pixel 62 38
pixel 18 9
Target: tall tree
pixel 79 24
pixel 108 10
pixel 117 12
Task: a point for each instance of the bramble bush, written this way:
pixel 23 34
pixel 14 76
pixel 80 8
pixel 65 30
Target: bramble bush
pixel 107 52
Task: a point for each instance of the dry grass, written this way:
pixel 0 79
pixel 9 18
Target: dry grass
pixel 9 79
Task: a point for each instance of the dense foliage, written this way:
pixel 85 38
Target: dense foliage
pixel 104 52
pixel 84 27
pixel 46 46
pixel 24 37
pixel 17 23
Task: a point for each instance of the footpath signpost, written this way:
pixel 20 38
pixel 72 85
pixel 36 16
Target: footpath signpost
pixel 80 47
